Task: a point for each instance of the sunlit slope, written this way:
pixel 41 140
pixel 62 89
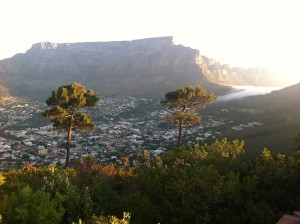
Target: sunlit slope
pixel 279 111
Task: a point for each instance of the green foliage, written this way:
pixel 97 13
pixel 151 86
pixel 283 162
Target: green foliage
pixel 17 179
pixel 102 182
pixel 111 219
pixel 64 105
pixel 105 199
pixel 77 202
pixel 2 179
pixel 184 102
pixel 184 187
pixel 27 206
pixel 279 176
pixel 188 97
pixel 185 118
pixel 210 183
pixel 224 149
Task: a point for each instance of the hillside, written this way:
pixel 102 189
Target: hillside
pixel 211 183
pixel 146 67
pixel 278 111
pixel 283 101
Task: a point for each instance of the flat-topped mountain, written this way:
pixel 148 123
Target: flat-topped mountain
pixel 146 67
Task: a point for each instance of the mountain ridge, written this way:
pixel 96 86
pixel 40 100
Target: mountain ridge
pixel 231 75
pixel 146 67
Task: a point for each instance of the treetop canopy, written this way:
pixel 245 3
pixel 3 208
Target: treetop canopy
pixel 188 97
pixel 64 103
pixel 72 96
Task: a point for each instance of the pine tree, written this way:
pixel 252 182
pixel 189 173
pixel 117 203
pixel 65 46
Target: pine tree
pixel 184 102
pixel 64 105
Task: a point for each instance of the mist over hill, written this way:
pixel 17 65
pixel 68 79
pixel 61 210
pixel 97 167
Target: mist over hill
pixel 279 113
pixel 284 101
pixel 240 92
pixel 145 68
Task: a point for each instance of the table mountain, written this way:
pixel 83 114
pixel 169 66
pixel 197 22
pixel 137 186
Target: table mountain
pixel 147 67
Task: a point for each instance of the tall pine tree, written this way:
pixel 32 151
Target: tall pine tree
pixel 184 102
pixel 63 112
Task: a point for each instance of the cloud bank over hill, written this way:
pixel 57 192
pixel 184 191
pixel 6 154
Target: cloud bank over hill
pixel 240 92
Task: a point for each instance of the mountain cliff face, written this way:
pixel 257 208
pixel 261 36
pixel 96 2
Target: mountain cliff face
pixel 147 67
pixel 226 74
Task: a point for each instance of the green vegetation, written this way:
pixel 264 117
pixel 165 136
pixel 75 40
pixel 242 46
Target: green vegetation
pixel 110 219
pixel 184 103
pixel 28 206
pixel 65 103
pixel 278 113
pixel 195 183
pixel 277 136
pixel 2 179
pixel 210 183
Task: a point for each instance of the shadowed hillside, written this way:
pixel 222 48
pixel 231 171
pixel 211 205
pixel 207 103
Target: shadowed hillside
pixel 283 101
pixel 147 67
pixel 279 113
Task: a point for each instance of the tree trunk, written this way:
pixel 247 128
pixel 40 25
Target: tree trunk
pixel 68 145
pixel 179 133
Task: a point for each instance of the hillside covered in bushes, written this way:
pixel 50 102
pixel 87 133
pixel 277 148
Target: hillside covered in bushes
pixel 211 183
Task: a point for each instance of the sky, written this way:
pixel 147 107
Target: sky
pixel 243 33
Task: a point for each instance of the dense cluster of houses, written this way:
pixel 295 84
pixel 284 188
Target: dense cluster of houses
pixel 123 126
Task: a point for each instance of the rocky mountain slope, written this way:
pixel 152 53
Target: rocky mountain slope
pixel 147 67
pixel 226 74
